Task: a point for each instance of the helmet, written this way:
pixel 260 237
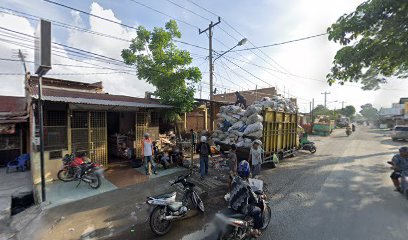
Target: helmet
pixel 403 150
pixel 203 139
pixel 244 169
pixel 146 135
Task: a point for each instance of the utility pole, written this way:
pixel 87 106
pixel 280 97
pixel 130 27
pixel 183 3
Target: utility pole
pixel 210 35
pixel 312 109
pixel 325 98
pixel 342 104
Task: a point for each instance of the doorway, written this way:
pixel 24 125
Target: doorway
pixel 88 135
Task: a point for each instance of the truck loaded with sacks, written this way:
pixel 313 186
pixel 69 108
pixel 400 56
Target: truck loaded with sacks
pixel 274 121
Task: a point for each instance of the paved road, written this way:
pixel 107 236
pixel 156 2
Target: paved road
pixel 341 192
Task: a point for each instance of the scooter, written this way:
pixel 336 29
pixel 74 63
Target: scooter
pixel 309 146
pixel 168 210
pixel 234 225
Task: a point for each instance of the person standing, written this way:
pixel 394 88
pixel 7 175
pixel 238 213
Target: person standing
pixel 232 160
pixel 203 148
pixel 255 157
pixel 193 138
pixel 147 153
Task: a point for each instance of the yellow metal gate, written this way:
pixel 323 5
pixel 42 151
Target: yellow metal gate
pixel 141 128
pixel 89 135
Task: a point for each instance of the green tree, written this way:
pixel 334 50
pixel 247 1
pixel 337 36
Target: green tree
pixel 375 40
pixel 369 112
pixel 322 110
pixel 348 111
pixel 159 62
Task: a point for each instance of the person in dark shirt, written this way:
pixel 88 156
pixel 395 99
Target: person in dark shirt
pixel 204 149
pixel 400 166
pixel 243 199
pixel 241 101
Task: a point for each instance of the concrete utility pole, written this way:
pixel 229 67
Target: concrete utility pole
pixel 342 104
pixel 210 35
pixel 325 98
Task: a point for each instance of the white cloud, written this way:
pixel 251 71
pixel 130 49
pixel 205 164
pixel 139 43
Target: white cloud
pixel 125 84
pixel 13 85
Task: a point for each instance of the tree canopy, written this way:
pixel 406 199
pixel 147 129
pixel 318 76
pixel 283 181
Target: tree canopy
pixel 375 40
pixel 348 111
pixel 159 62
pixel 369 112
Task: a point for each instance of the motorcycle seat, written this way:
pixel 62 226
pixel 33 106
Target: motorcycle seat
pixel 166 195
pixel 175 206
pixel 232 213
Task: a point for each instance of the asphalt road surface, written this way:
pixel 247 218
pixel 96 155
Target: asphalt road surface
pixel 341 192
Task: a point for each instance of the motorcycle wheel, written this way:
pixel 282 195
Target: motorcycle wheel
pixel 158 226
pixel 312 149
pixel 266 217
pixel 95 180
pixel 198 203
pixel 65 176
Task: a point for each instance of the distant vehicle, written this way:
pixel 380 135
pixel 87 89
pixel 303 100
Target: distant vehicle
pixel 343 122
pixel 400 132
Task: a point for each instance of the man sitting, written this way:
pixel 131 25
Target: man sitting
pixel 400 167
pixel 243 199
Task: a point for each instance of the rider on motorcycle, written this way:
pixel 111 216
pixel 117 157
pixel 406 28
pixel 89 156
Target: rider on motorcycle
pixel 400 166
pixel 243 199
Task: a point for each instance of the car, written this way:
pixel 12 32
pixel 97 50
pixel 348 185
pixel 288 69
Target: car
pixel 400 132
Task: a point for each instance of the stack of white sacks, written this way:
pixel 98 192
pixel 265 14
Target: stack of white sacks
pixel 239 126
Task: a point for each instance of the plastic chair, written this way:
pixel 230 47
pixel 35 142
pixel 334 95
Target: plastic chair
pixel 20 163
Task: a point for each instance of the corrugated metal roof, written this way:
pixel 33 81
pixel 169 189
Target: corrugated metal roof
pixel 56 95
pixel 13 109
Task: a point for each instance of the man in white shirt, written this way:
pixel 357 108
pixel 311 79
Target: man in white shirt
pixel 147 153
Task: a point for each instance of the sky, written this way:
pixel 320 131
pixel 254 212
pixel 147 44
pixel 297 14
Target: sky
pixel 296 69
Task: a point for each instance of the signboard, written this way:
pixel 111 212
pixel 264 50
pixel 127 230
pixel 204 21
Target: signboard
pixel 42 48
pixel 7 128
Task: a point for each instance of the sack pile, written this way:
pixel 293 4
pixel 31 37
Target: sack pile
pixel 240 126
pixel 278 103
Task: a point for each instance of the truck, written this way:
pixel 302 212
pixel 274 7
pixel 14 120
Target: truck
pixel 280 136
pixel 323 126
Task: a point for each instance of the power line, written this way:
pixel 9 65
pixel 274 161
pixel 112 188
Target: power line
pixel 71 27
pixel 165 14
pixel 281 43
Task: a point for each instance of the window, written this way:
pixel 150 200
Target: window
pixel 154 119
pixel 9 142
pixel 401 129
pixel 55 130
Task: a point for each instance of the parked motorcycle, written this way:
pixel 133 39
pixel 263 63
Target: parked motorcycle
pixel 234 225
pixel 76 168
pixel 168 210
pixel 309 146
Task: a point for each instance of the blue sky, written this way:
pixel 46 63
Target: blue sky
pixel 262 22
